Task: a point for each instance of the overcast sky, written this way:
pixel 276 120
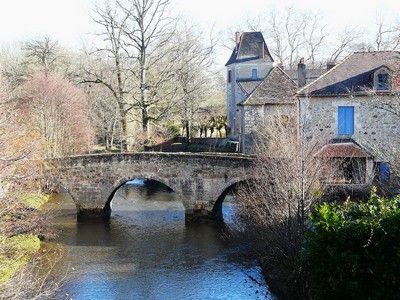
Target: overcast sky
pixel 69 21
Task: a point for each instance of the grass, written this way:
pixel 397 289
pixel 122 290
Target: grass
pixel 16 252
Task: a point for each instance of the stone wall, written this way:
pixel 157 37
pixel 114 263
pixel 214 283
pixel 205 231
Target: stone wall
pixel 374 128
pixel 198 179
pixel 257 118
pixel 235 94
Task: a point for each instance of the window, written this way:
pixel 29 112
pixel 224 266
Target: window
pixel 346 120
pixel 254 74
pixel 382 82
pixel 229 76
pixel 382 79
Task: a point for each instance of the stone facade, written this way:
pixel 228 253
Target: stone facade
pixel 198 179
pixel 257 118
pixel 372 125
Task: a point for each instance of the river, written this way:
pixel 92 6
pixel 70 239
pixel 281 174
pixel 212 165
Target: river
pixel 147 252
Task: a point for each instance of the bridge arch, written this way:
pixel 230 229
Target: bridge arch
pixel 230 187
pixel 122 181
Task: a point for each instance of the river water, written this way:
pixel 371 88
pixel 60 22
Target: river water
pixel 147 252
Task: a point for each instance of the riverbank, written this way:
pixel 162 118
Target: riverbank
pixel 17 250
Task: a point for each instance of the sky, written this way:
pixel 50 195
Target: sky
pixel 69 21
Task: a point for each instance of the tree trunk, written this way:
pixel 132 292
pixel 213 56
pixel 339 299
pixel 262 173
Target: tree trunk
pixel 124 142
pixel 187 129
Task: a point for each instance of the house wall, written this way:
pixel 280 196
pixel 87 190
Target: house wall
pixel 257 117
pixel 373 126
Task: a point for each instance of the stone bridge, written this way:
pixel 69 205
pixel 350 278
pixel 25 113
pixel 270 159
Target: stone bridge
pixel 201 181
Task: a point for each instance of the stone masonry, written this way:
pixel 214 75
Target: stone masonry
pixel 198 179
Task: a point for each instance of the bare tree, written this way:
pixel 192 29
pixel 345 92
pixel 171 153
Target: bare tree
pixel 57 115
pixel 346 40
pixel 292 34
pixel 275 206
pixel 43 51
pixel 193 76
pixel 387 36
pixel 111 70
pixel 148 31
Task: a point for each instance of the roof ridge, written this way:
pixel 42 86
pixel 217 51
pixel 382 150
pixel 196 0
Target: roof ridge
pixel 376 51
pixel 324 74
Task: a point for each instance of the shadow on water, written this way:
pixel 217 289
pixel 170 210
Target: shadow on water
pixel 147 252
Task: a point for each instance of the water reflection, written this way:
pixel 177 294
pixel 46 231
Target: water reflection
pixel 147 252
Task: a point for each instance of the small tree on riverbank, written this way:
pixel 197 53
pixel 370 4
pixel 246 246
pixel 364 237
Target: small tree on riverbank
pixel 56 113
pixel 275 207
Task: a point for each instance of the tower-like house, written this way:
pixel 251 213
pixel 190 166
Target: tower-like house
pixel 248 65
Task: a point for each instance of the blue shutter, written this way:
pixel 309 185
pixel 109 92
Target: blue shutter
pixel 384 172
pixel 346 120
pixel 350 120
pixel 341 120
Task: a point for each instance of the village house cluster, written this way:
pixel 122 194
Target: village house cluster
pixel 344 106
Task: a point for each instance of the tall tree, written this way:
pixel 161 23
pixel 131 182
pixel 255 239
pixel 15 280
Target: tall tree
pixel 108 64
pixel 148 31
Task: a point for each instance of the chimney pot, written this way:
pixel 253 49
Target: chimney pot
pixel 330 65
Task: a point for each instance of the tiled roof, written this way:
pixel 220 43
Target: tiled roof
pixel 250 49
pixel 248 86
pixel 276 88
pixel 354 74
pixel 342 150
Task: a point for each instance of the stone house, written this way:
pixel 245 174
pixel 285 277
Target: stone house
pixel 259 90
pixel 348 107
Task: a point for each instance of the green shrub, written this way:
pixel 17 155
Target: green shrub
pixel 353 250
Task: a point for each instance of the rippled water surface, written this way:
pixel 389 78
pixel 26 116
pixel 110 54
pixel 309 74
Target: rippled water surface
pixel 147 252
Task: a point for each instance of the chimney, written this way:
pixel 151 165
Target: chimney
pixel 237 39
pixel 330 65
pixel 262 50
pixel 301 73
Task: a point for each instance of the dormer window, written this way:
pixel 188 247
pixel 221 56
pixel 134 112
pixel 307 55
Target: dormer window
pixel 254 73
pixel 382 80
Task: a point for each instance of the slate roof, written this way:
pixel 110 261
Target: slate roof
pixel 354 75
pixel 250 49
pixel 276 88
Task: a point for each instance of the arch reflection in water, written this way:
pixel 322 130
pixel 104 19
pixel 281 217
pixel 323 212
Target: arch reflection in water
pixel 147 252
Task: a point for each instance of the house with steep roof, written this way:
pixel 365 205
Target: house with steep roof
pixel 348 106
pixel 248 64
